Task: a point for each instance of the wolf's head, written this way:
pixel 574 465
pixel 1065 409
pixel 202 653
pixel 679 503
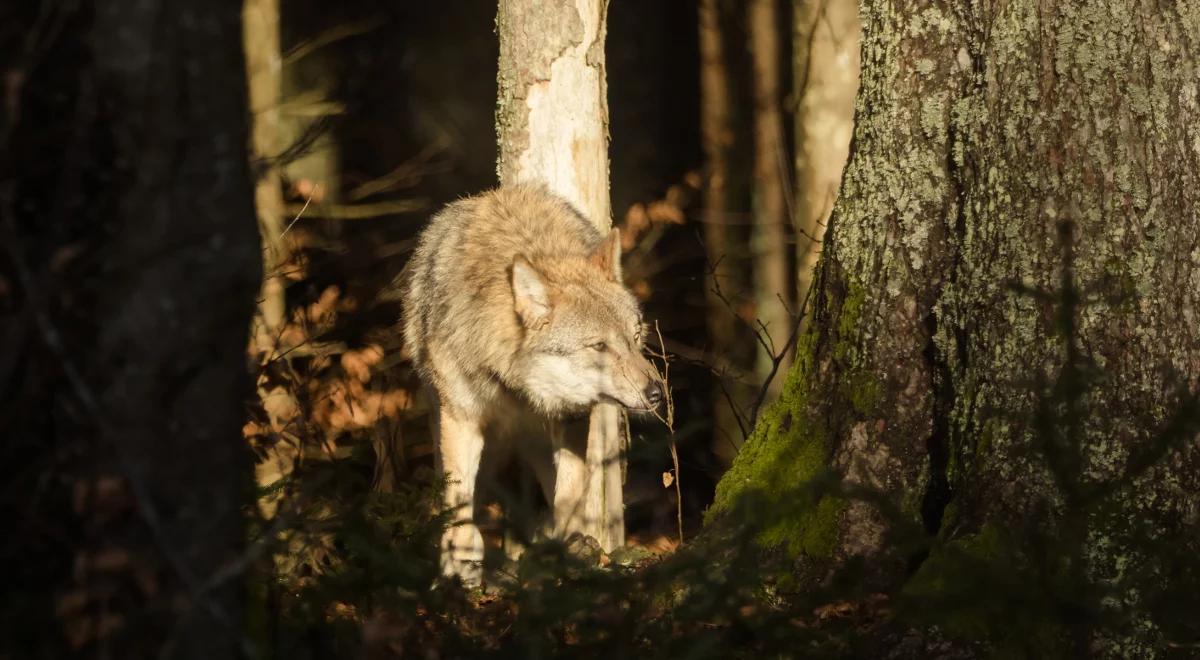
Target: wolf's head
pixel 583 333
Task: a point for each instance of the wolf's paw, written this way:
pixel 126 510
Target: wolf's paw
pixel 462 554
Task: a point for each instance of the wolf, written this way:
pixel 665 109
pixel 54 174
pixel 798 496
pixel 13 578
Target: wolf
pixel 516 318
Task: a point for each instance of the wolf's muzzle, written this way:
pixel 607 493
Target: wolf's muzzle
pixel 653 394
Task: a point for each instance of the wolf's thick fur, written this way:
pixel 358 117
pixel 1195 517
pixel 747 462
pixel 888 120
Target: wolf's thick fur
pixel 514 310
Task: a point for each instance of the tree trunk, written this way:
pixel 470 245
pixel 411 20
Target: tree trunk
pixel 260 26
pixel 718 137
pixel 260 36
pixel 308 108
pixel 981 129
pixel 135 263
pixel 825 63
pixel 773 283
pixel 552 121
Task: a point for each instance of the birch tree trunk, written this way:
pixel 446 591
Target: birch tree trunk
pixel 773 282
pixel 552 125
pixel 981 128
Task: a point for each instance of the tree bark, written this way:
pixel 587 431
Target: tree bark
pixel 135 262
pixel 981 128
pixel 552 125
pixel 773 282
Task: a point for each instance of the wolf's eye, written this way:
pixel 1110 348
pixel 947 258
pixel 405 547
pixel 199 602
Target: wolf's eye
pixel 599 346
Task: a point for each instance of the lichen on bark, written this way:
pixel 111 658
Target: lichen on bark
pixel 542 36
pixel 980 129
pixel 552 100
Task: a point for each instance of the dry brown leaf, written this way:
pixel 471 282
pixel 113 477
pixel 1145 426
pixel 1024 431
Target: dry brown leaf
pixel 358 363
pixel 668 479
pixel 253 429
pixel 659 544
pixel 325 305
pixel 662 212
pixel 281 407
pixel 636 222
pixel 111 560
pixel 309 189
pixel 72 601
pixel 834 611
pixel 340 610
pixel 64 256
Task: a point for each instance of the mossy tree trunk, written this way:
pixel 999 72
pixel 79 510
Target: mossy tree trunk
pixel 981 129
pixel 552 125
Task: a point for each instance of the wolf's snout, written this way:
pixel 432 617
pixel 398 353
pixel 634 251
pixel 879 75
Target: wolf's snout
pixel 653 394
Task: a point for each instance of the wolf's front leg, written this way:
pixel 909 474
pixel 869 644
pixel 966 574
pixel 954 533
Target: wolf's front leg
pixel 459 450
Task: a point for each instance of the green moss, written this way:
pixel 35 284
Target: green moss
pixel 859 386
pixel 940 577
pixel 847 326
pixel 771 477
pixel 950 515
pixel 814 532
pixel 980 587
pixel 863 391
pixel 769 481
pixel 778 476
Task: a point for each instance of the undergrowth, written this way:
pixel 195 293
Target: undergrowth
pixel 352 571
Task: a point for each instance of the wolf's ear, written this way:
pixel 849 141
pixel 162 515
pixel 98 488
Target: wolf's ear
pixel 530 294
pixel 607 256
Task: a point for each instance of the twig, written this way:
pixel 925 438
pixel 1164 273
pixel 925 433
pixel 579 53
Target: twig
pixel 330 36
pixel 315 190
pixel 670 423
pixel 746 422
pixel 738 416
pixel 777 359
pixel 367 211
pixel 406 174
pixel 299 148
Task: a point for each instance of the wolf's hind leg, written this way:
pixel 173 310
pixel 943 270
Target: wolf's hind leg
pixel 459 451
